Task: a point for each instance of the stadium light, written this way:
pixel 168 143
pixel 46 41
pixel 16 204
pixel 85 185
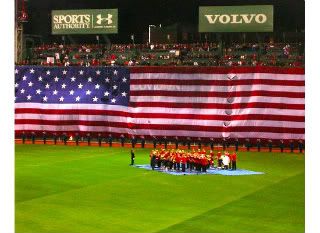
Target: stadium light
pixel 150 32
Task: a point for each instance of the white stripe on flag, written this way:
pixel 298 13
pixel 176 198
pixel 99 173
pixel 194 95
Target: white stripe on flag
pixel 178 76
pixel 175 99
pixel 198 88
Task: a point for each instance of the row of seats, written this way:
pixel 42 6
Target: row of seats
pixel 200 54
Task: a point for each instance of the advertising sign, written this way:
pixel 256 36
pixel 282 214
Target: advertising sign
pixel 258 18
pixel 85 21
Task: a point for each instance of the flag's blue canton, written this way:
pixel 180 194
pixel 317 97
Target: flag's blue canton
pixel 71 85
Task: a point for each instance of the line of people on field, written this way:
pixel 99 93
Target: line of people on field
pixel 200 160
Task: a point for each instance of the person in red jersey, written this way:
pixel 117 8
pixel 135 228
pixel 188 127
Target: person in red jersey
pixel 234 161
pixel 204 163
pixel 211 156
pixel 198 163
pixel 183 163
pixel 210 162
pixel 178 160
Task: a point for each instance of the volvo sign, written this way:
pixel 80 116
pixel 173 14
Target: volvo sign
pixel 258 18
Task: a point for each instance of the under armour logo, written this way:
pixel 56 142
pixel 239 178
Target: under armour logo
pixel 108 19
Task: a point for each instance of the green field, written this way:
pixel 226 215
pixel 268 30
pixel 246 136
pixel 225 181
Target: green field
pixel 67 189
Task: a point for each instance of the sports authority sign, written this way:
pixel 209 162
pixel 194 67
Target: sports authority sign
pixel 86 21
pixel 258 18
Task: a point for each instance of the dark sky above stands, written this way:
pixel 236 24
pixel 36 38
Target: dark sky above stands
pixel 136 15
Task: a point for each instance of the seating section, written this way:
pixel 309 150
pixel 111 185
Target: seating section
pixel 197 54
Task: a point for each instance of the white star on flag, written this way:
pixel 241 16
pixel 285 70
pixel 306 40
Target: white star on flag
pixel 45 99
pixel 56 79
pixel 113 100
pixel 81 72
pixel 71 92
pixel 115 72
pixel 124 94
pixel 30 84
pixel 15 98
pixel 61 99
pixel 63 86
pixel 48 72
pixel 64 72
pixel 16 85
pixel 32 71
pixel 106 93
pixel 38 91
pixel 24 78
pixel 97 86
pixel 47 86
pixel 98 72
pixel 80 86
pixel 16 71
pixel 88 92
pixel 90 79
pixel 40 78
pixel 124 80
pixel 22 91
pixel 29 97
pixel 107 80
pixel 73 79
pixel 55 92
pixel 95 99
pixel 78 98
pixel 115 87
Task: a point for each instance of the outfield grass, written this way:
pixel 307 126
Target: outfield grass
pixel 66 189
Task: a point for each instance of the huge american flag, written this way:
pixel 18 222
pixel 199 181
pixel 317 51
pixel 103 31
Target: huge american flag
pixel 197 102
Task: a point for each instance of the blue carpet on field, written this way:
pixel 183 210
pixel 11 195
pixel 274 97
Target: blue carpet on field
pixel 211 171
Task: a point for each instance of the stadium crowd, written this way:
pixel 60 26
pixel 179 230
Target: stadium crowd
pixel 199 160
pixel 193 54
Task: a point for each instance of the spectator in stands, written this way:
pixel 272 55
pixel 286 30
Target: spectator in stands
pixel 194 54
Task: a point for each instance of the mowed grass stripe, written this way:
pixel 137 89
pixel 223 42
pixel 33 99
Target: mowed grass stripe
pixel 167 210
pixel 54 177
pixel 104 194
pixel 55 152
pixel 276 208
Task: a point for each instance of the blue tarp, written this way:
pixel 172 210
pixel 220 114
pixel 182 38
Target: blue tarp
pixel 211 171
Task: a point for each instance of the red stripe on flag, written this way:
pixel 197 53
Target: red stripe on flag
pixel 218 106
pixel 195 82
pixel 165 126
pixel 219 94
pixel 162 115
pixel 70 112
